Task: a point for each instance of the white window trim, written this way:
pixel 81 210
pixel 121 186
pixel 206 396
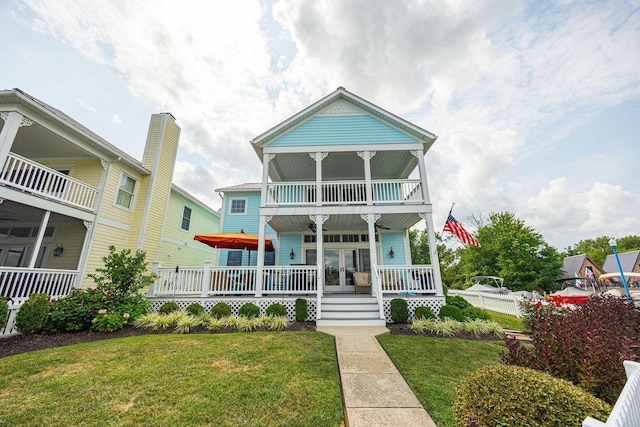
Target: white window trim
pixel 135 192
pixel 246 205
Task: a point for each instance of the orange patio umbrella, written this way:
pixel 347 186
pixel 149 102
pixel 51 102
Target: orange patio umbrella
pixel 234 241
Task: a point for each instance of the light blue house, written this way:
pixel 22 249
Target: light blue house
pixel 342 182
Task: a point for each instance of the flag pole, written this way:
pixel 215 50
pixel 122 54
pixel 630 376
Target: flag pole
pixel 450 210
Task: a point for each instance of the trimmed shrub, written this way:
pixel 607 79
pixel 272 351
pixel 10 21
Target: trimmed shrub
pixel 249 310
pixel 32 315
pixel 4 312
pixel 458 301
pixel 133 305
pixel 474 313
pixel 451 312
pixel 74 312
pixel 169 307
pixel 301 310
pixel 504 395
pixel 423 312
pixel 399 310
pixel 586 345
pixel 220 310
pixel 108 322
pixel 276 309
pixel 195 309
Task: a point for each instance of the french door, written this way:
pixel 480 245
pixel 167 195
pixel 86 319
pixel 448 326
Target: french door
pixel 339 265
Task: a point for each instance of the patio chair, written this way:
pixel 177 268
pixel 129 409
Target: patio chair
pixel 362 280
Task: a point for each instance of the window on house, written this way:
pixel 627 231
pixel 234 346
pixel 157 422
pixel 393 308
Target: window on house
pixel 126 191
pixel 234 258
pixel 186 218
pixel 238 207
pixel 269 258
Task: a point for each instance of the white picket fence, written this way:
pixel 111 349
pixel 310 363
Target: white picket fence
pixel 506 304
pixel 626 411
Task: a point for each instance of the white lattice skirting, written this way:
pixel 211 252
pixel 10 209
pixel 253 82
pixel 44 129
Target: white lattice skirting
pixel 434 303
pixel 236 303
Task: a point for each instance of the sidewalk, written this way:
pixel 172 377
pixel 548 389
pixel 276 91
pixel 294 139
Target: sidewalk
pixel 373 391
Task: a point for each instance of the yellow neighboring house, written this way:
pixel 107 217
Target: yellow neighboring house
pixel 66 194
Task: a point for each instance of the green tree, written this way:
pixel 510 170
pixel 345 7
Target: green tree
pixel 448 257
pixel 514 251
pixel 597 249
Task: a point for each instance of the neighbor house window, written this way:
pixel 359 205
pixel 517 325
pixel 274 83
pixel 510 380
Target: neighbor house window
pixel 238 207
pixel 234 258
pixel 126 191
pixel 186 218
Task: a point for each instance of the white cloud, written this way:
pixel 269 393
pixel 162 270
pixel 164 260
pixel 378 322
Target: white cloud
pixel 85 105
pixel 117 119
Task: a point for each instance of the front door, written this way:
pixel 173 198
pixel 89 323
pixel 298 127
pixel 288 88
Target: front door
pixel 339 265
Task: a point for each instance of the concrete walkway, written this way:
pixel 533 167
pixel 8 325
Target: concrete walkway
pixel 373 391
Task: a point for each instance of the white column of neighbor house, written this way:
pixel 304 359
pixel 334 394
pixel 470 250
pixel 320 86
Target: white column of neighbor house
pixel 428 219
pixel 36 246
pixel 266 159
pixel 319 220
pixel 373 254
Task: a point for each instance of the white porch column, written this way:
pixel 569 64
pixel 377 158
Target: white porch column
pixel 318 157
pixel 12 122
pixel 423 175
pixel 206 279
pixel 366 156
pixel 155 268
pixel 433 251
pixel 266 158
pixel 260 262
pixel 373 253
pixel 319 220
pixel 38 243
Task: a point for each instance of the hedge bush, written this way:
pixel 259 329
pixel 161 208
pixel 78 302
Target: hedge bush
pixel 74 312
pixel 276 309
pixel 4 312
pixel 423 312
pixel 399 310
pixel 452 312
pixel 586 345
pixel 458 301
pixel 220 310
pixel 249 310
pixel 504 395
pixel 474 313
pixel 301 310
pixel 169 307
pixel 108 322
pixel 32 315
pixel 195 309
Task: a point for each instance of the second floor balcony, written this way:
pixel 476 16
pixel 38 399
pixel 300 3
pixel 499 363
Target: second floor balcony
pixel 347 192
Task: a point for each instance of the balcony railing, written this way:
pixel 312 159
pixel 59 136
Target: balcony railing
pixel 410 279
pixel 344 192
pixel 26 175
pixel 18 283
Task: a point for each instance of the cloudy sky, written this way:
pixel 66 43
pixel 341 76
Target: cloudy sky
pixel 536 104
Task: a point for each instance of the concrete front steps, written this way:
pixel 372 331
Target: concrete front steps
pixel 349 310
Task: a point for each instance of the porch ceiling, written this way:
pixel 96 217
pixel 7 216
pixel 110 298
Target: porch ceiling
pixel 29 143
pixel 340 223
pixel 337 166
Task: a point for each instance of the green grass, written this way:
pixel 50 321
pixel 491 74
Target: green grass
pixel 433 367
pixel 257 379
pixel 508 322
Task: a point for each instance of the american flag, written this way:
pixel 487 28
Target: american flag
pixel 453 226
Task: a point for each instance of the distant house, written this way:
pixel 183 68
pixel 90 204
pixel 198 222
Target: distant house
pixel 630 262
pixel 342 182
pixel 66 194
pixel 579 266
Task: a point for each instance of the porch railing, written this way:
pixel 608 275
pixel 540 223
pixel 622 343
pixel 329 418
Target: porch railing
pixel 209 280
pixel 16 282
pixel 626 411
pixel 351 192
pixel 24 174
pixel 412 279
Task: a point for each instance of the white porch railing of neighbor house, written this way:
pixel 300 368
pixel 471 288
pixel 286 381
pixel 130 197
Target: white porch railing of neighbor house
pixel 507 304
pixel 626 411
pixel 211 281
pixel 350 192
pixel 16 284
pixel 412 279
pixel 24 174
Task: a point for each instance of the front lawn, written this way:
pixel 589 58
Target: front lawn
pixel 433 367
pixel 507 322
pixel 257 379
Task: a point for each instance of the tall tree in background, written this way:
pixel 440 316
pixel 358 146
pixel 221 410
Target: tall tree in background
pixel 514 251
pixel 419 243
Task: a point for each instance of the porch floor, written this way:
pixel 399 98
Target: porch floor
pixel 373 391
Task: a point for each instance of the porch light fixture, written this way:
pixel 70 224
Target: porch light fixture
pixel 614 246
pixel 292 255
pixel 391 253
pixel 57 251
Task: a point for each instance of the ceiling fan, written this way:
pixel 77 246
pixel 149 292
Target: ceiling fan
pixel 312 227
pixel 376 226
